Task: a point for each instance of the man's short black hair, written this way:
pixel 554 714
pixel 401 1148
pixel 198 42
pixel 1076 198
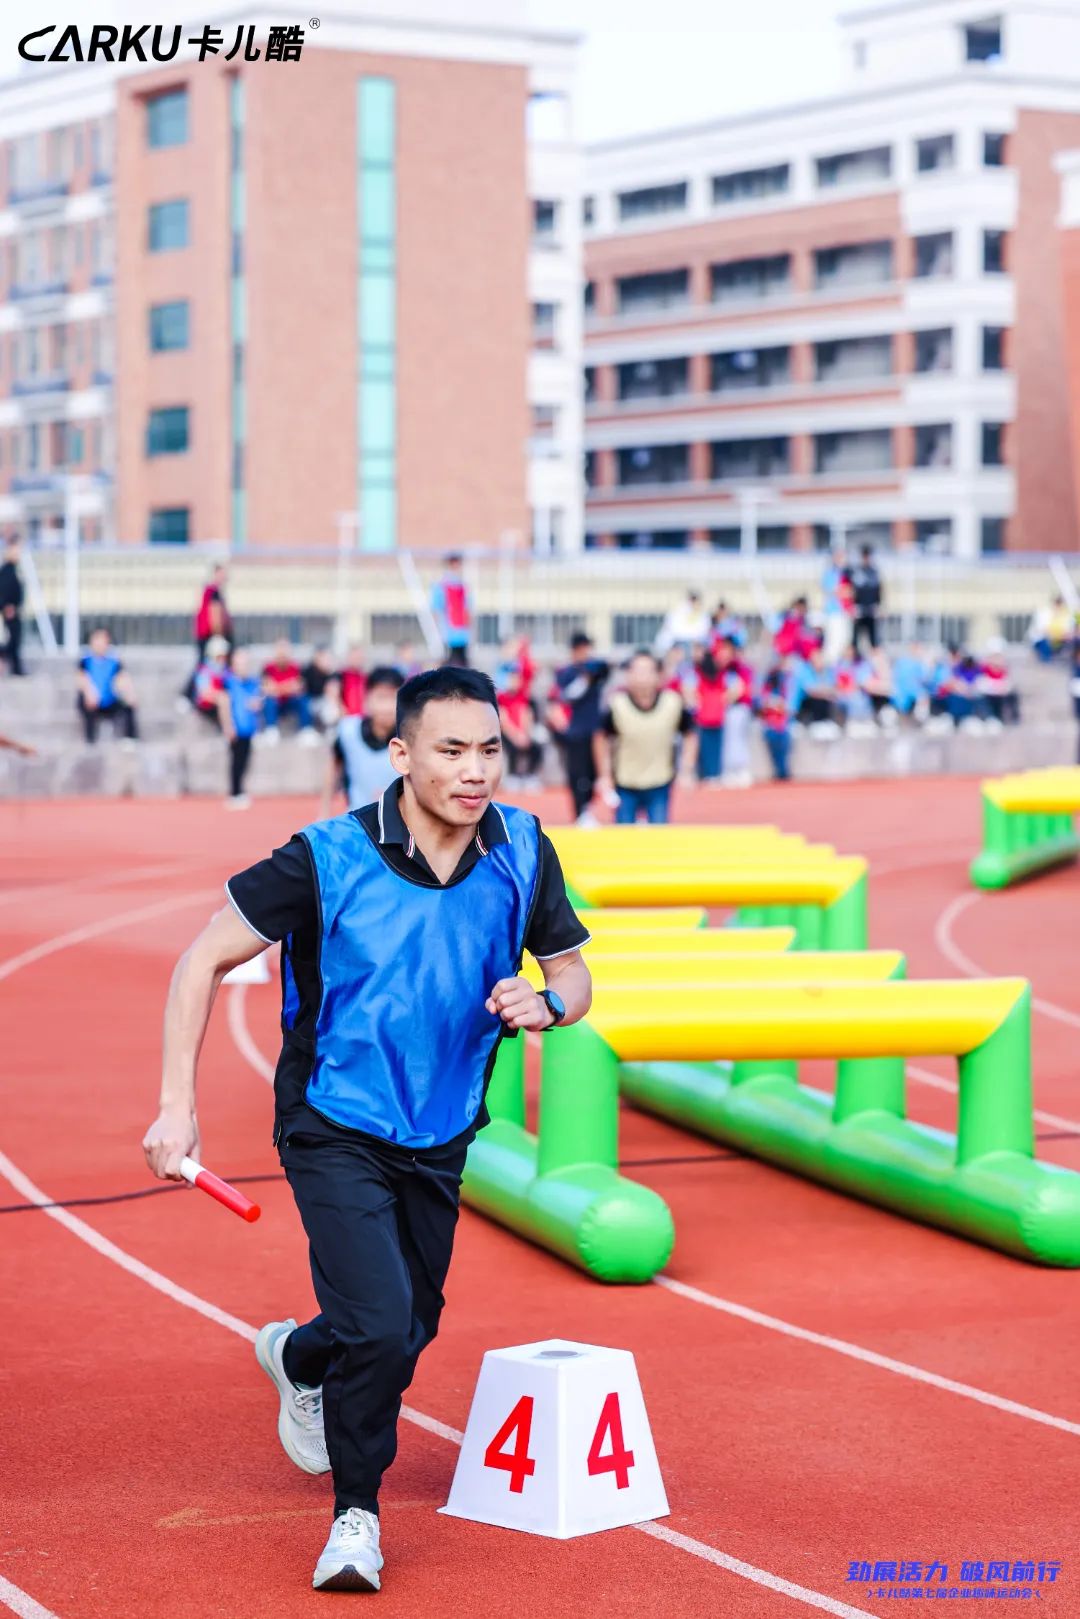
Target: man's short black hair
pixel 439 686
pixel 580 639
pixel 646 652
pixel 384 674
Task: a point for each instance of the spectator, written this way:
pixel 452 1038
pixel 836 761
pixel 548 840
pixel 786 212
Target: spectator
pixel 353 680
pixel 636 748
pixel 738 680
pixel 322 688
pixel 105 690
pixel 452 606
pixel 816 694
pixel 726 626
pixel 209 680
pixel 850 675
pixel 406 662
pixel 878 682
pixel 283 689
pixel 240 703
pixel 518 731
pixel 710 693
pixel 838 603
pixel 866 591
pixel 793 636
pixel 11 604
pixel 960 695
pixel 211 619
pixel 359 763
pixel 774 709
pixel 911 683
pixel 997 687
pixel 686 625
pixel 573 715
pixel 515 658
pixel 1052 630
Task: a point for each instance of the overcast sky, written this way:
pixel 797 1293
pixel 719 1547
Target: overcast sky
pixel 710 57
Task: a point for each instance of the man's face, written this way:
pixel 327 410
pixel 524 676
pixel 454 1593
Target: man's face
pixel 380 706
pixel 643 679
pixel 241 664
pixel 282 652
pixel 453 758
pixel 99 643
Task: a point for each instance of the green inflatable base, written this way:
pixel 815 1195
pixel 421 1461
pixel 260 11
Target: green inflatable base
pixel 589 1214
pixel 994 868
pixel 1002 1199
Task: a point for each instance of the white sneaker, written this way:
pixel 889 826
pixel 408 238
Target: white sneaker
pixel 309 737
pixel 240 801
pixel 300 1419
pixel 271 736
pixel 351 1558
pixel 586 818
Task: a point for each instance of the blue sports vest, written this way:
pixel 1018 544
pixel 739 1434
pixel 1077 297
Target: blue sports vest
pixel 403 1041
pixel 368 771
pixel 241 693
pixel 103 670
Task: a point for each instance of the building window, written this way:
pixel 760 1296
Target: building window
pixel 663 289
pixel 641 204
pixel 993 348
pixel 167 431
pixel 653 379
pixel 982 41
pixel 855 168
pixel 168 225
pixel 590 384
pixel 993 444
pixel 590 469
pixel 749 458
pixel 749 368
pixel 741 279
pixel 588 209
pixel 589 297
pixel 747 185
pixel 993 251
pixel 659 463
pixel 934 534
pixel 933 445
pixel 543 325
pixel 993 151
pixel 655 539
pixel 934 254
pixel 935 152
pixel 865 451
pixel 545 218
pixel 992 534
pixel 169 326
pixel 167 118
pixel 769 537
pixel 170 525
pixel 934 350
pixel 858 265
pixel 377 288
pixel 852 359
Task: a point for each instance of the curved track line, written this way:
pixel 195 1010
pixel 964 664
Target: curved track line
pixel 940 1083
pixel 100 879
pixel 20 1603
pixel 93 930
pixel 952 952
pixel 236 1017
pixel 869 1356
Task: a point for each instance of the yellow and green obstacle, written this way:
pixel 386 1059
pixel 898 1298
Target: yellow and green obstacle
pixel 1028 825
pixel 983 1183
pixel 561 1187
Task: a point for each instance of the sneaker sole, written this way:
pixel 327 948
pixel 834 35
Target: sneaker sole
pixel 262 1355
pixel 346 1579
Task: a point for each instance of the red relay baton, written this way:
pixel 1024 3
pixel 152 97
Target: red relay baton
pixel 215 1187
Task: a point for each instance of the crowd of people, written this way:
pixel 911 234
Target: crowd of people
pixel 684 709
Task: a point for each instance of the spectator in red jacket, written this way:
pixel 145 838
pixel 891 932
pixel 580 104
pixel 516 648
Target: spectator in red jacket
pixel 518 725
pixel 710 706
pixel 213 617
pixel 353 681
pixel 794 636
pixel 283 691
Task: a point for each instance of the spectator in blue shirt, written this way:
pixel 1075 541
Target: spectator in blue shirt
pixel 241 702
pixel 105 689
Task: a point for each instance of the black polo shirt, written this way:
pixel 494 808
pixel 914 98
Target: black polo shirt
pixel 278 899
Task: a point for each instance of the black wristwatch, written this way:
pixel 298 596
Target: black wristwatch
pixel 556 1006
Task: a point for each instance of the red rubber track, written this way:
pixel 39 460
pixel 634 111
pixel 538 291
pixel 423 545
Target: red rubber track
pixel 141 1472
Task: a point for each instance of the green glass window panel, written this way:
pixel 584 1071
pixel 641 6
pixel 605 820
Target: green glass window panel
pixel 239 412
pixel 377 192
pixel 169 326
pixel 377 308
pixel 169 225
pixel 377 363
pixel 239 517
pixel 168 431
pixel 238 213
pixel 167 119
pixel 239 331
pixel 377 425
pixel 170 525
pixel 376 121
pixel 378 519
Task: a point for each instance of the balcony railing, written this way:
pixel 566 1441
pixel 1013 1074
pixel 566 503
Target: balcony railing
pixel 40 191
pixel 36 483
pixel 48 382
pixel 25 290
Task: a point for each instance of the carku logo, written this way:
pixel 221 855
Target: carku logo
pixel 155 42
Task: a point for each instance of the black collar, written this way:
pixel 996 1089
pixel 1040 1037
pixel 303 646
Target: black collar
pixel 491 829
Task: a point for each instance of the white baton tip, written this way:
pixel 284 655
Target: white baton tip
pixel 189 1169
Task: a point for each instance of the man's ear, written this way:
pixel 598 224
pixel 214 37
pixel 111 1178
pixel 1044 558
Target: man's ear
pixel 399 755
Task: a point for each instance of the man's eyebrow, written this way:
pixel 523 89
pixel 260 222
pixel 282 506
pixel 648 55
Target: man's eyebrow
pixel 456 742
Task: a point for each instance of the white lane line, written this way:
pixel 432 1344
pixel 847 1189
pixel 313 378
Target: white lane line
pixel 747 1571
pixel 100 879
pixel 952 952
pixel 108 924
pixel 869 1357
pixel 20 1603
pixel 180 1295
pixel 236 1017
pixel 940 1083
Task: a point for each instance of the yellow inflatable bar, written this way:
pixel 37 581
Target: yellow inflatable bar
pixel 624 919
pixel 811 881
pixel 696 943
pixel 688 972
pixel 1037 792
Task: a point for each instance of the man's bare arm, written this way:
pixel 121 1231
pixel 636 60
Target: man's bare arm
pixel 224 943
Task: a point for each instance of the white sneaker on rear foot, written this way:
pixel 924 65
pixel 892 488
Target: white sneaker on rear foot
pixel 351 1558
pixel 300 1418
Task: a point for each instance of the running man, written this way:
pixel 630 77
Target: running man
pixel 403 926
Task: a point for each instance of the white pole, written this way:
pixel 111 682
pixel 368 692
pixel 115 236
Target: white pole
pixel 506 582
pixel 748 499
pixel 71 571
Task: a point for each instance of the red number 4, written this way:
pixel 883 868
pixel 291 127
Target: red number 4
pixel 618 1460
pixel 520 1465
pixel 517 1462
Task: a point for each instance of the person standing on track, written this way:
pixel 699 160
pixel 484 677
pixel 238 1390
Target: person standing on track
pixel 403 926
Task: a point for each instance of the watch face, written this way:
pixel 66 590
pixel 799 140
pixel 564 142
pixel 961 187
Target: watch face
pixel 558 1006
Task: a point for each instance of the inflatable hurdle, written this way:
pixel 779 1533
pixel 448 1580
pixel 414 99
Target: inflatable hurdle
pixel 1028 825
